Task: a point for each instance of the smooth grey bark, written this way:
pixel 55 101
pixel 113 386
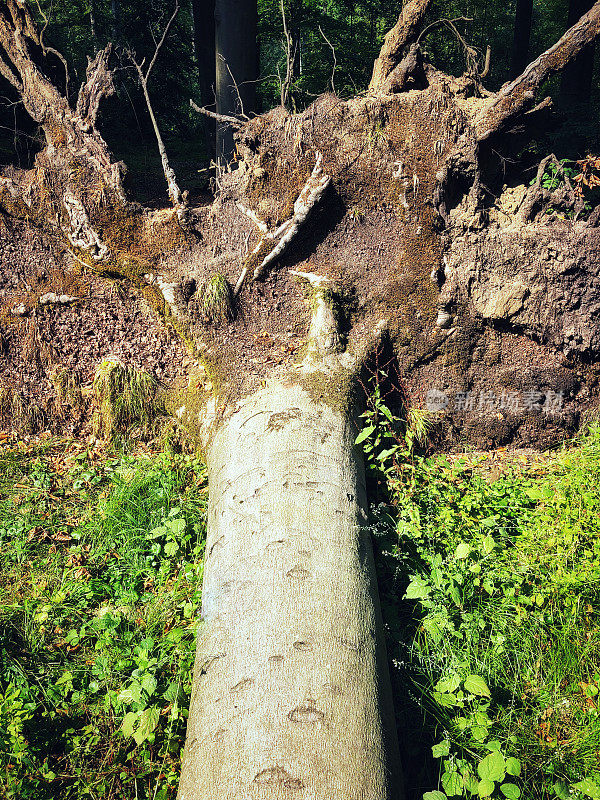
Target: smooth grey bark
pixel 291 691
pixel 236 66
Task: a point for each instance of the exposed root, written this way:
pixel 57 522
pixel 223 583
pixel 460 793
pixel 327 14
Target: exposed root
pixel 396 40
pixel 324 335
pixel 272 245
pixel 82 235
pixel 536 195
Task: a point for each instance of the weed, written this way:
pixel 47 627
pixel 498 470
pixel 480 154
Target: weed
pixel 501 614
pixel 100 568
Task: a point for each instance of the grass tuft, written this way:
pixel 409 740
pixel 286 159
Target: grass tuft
pixel 128 400
pixel 215 300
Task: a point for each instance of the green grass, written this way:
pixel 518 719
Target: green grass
pixel 100 568
pixel 490 581
pixel 493 598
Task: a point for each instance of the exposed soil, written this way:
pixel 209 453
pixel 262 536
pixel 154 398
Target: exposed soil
pixel 494 319
pixel 105 318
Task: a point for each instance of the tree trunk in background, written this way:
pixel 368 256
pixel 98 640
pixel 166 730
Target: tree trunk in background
pixel 291 680
pixel 93 28
pixel 576 83
pixel 203 16
pixel 236 66
pixel 115 15
pixel 522 35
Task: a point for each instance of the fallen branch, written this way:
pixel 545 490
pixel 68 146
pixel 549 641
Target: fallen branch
pixel 174 190
pixel 214 115
pixel 396 40
pixel 272 245
pixel 516 96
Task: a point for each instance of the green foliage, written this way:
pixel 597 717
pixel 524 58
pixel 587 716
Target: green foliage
pixel 388 441
pixel 100 569
pixel 554 175
pixel 501 578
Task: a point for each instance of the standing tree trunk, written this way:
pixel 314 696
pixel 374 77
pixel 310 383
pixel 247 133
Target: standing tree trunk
pixel 236 66
pixel 521 37
pixel 115 20
pixel 203 16
pixel 576 83
pixel 93 24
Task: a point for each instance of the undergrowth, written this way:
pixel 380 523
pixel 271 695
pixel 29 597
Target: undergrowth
pixel 100 566
pixel 492 598
pixel 490 582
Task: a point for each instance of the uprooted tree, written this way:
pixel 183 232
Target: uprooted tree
pixel 380 222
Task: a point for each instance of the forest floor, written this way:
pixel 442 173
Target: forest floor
pixel 489 572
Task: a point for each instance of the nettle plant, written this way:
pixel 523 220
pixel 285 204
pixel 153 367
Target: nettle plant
pixel 389 442
pixel 500 578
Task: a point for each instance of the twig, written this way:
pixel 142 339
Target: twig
pixel 470 52
pixel 162 39
pixel 334 59
pixel 235 86
pixel 444 21
pixel 47 49
pixel 170 177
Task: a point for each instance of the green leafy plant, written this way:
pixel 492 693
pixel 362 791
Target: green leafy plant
pixel 96 635
pixel 501 578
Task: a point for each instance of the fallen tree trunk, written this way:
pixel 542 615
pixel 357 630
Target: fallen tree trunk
pixel 291 695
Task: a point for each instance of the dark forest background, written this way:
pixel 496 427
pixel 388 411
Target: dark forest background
pixel 332 43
